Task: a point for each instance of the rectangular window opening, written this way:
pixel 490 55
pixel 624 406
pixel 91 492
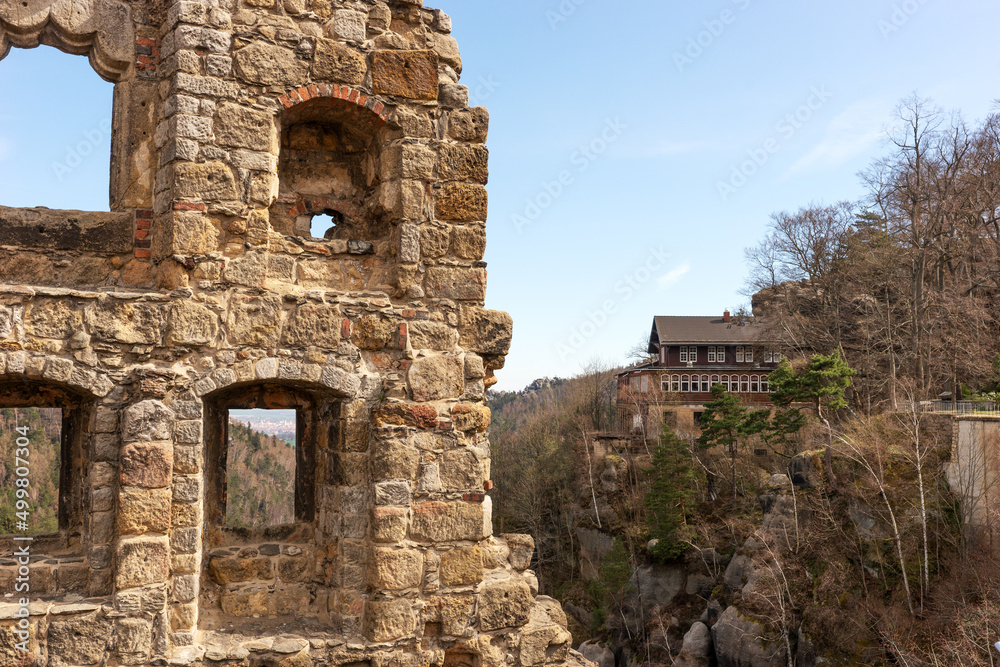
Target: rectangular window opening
pixel 31 472
pixel 261 453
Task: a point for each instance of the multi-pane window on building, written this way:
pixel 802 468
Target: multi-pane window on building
pixel 689 354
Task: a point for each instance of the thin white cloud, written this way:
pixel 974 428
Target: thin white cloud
pixel 669 279
pixel 855 131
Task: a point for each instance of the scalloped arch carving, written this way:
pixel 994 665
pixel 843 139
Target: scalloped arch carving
pixel 100 29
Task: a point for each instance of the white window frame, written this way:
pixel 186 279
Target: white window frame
pixel 739 354
pixel 754 384
pixel 705 384
pixel 711 354
pixel 665 384
pixel 685 384
pixel 745 384
pixel 675 381
pixel 748 354
pixel 684 354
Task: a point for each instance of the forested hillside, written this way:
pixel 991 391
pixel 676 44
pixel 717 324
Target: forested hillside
pixel 905 281
pixel 42 427
pixel 260 475
pixel 832 527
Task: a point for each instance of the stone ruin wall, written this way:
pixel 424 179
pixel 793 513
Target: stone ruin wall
pixel 236 121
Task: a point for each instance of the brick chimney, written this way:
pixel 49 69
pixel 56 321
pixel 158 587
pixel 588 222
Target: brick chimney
pixel 726 317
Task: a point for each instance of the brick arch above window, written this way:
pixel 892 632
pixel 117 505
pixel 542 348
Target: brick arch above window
pixel 318 91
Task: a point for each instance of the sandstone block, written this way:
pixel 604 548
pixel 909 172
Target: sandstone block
pixel 462 567
pixel 338 63
pixel 485 331
pixel 204 181
pixel 245 603
pixel 468 242
pixel 147 421
pixel 228 570
pixel 459 283
pixel 387 620
pixel 133 640
pixel 313 325
pixel 372 333
pixel 143 511
pixel 435 378
pixel 411 74
pixel 249 270
pixel 392 493
pixel 395 460
pixel 464 163
pixel 142 561
pixel 348 25
pixel 269 65
pixel 542 644
pixel 241 127
pixel 132 323
pixel 436 521
pixel 427 335
pixel 295 568
pixel 434 241
pixel 471 125
pixel 395 569
pixel 191 324
pixel 462 202
pixel 78 642
pixel 522 550
pixel 254 320
pixel 463 469
pixel 456 613
pixel 389 524
pixel 47 319
pixel 505 604
pixel 400 414
pixel 446 48
pixel 471 417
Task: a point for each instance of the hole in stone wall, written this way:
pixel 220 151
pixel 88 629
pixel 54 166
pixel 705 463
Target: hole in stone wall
pixel 260 468
pixel 55 131
pixel 30 470
pixel 323 225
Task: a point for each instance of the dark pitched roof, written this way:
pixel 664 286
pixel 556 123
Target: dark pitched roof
pixel 708 330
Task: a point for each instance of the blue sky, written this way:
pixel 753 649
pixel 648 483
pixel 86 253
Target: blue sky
pixel 612 126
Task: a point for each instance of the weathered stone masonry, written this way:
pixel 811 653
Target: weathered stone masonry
pixel 236 122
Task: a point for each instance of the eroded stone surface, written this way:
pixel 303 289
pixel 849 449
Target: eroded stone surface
pixel 206 291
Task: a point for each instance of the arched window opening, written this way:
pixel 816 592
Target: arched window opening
pixel 51 155
pixel 685 384
pixel 287 476
pixel 754 384
pixel 675 383
pixel 330 164
pixel 43 431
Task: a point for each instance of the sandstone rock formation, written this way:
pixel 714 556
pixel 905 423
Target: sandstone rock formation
pixel 236 123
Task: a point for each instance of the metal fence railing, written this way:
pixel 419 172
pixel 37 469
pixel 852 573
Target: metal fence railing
pixel 961 407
